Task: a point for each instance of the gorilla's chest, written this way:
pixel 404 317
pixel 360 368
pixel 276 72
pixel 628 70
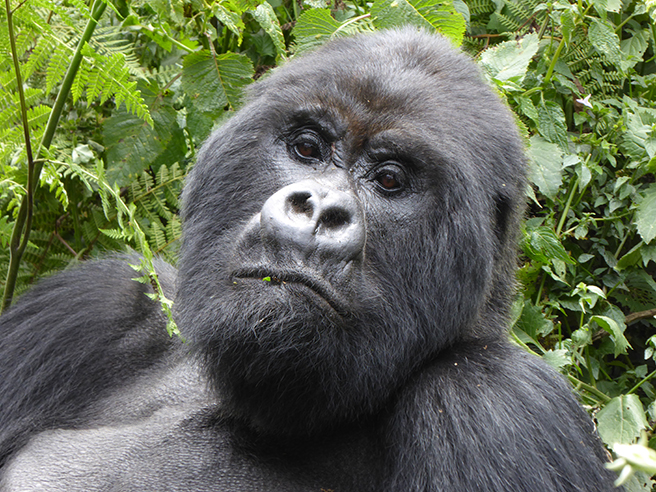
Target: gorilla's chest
pixel 166 437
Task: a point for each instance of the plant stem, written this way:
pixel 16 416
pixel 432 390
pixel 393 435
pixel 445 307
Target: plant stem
pixel 560 47
pixel 644 380
pixel 563 217
pixel 20 233
pixel 590 389
pixel 23 224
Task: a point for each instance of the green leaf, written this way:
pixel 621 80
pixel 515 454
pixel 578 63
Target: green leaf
pixel 266 18
pixel 133 145
pixel 532 321
pixel 552 124
pixel 541 244
pixel 509 60
pixel 616 330
pixel 546 166
pixel 603 38
pixel 313 28
pixel 635 46
pixel 621 420
pixel 433 15
pixel 232 20
pixel 557 358
pixel 645 218
pixel 215 81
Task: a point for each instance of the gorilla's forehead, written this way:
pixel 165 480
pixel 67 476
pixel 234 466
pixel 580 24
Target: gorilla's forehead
pixel 405 82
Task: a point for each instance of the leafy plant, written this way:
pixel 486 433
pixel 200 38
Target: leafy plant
pixel 581 78
pixel 119 98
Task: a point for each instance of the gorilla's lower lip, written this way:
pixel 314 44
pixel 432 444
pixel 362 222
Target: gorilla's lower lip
pixel 314 282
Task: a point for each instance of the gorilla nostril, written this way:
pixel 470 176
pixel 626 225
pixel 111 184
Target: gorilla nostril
pixel 334 218
pixel 300 203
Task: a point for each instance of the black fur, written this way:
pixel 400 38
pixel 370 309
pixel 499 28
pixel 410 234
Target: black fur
pixel 341 336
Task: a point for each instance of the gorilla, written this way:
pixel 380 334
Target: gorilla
pixel 343 294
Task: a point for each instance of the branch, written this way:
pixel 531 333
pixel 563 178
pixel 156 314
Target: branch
pixel 23 224
pixel 633 317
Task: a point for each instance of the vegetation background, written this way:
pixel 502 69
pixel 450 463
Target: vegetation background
pixel 103 106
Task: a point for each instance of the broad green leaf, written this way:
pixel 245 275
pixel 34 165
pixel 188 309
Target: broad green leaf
pixel 428 14
pixel 552 124
pixel 603 38
pixel 545 166
pixel 316 23
pixel 635 46
pixel 510 59
pixel 635 137
pixel 631 258
pixel 232 20
pixel 133 145
pixel 532 321
pixel 541 244
pixel 621 420
pixel 266 18
pixel 214 82
pixel 556 358
pixel 648 254
pixel 313 28
pixel 567 24
pixel 645 218
pixel 616 330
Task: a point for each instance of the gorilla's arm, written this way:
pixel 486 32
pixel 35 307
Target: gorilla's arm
pixel 498 420
pixel 70 339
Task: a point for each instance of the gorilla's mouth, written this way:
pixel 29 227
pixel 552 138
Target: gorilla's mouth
pixel 315 283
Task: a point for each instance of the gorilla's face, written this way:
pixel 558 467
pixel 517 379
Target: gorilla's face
pixel 349 223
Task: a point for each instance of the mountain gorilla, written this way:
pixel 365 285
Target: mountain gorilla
pixel 343 291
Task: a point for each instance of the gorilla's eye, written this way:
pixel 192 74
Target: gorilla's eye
pixel 390 179
pixel 307 151
pixel 308 146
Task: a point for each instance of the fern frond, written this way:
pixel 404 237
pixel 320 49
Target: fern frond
pixel 57 68
pixel 478 7
pixel 39 57
pixel 107 42
pixel 81 80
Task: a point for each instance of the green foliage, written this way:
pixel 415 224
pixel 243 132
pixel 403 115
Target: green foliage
pixel 581 78
pixel 156 77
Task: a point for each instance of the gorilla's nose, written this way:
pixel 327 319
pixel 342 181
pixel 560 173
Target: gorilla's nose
pixel 313 218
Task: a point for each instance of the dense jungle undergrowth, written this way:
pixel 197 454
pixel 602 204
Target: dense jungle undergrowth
pixel 103 106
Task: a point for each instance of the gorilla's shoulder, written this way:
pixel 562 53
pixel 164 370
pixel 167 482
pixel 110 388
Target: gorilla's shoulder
pixel 105 284
pixel 73 337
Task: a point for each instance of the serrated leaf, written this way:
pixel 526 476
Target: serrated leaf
pixel 552 125
pixel 133 145
pixel 232 20
pixel 532 321
pixel 266 18
pixel 214 82
pixel 313 28
pixel 645 218
pixel 545 169
pixel 635 47
pixel 541 244
pixel 508 61
pixel 616 330
pixel 621 420
pixel 433 15
pixel 557 358
pixel 603 38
